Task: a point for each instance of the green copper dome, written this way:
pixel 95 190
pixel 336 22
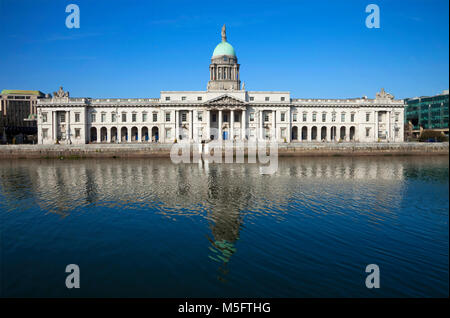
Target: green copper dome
pixel 224 48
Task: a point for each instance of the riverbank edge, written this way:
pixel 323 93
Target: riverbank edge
pixel 163 150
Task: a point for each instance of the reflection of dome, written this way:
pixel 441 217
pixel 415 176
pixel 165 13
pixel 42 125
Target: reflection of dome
pixel 224 48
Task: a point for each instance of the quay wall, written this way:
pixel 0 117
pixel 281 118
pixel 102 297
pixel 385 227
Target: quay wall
pixel 163 150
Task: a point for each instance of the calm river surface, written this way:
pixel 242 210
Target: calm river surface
pixel 150 228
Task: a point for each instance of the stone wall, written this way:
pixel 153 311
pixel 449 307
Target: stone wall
pixel 163 150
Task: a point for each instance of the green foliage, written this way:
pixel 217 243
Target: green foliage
pixel 429 135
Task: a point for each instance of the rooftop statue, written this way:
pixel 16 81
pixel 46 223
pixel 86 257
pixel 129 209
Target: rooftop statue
pixel 224 34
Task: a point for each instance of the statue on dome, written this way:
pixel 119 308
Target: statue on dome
pixel 224 34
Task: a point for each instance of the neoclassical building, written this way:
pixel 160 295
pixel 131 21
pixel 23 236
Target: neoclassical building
pixel 224 111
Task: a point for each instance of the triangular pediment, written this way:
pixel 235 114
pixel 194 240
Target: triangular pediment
pixel 225 100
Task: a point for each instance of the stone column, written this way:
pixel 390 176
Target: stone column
pixel 231 125
pixel 220 125
pixel 191 125
pixel 388 124
pixel 274 124
pixel 139 132
pixel 208 124
pixel 243 124
pixel 55 126
pixel 177 133
pixel 376 126
pixel 68 132
pixel 261 124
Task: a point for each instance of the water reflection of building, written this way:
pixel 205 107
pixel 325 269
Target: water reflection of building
pixel 223 194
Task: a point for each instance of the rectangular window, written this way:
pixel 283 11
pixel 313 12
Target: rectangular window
pixel 283 116
pixel 252 116
pixel 252 98
pixel 77 117
pixel 367 116
pixel 314 117
pixel 282 99
pixel 304 116
pixel 266 117
pixel 124 117
pixel 214 118
pixel 333 117
pixel 236 117
pixel 77 132
pixel 343 117
pixel 183 97
pixel 352 118
pixel 396 132
pixel 62 118
pixel 133 117
pixel 144 117
pixel 225 118
pixel 294 117
pixel 199 116
pixel 167 116
pixel 45 133
pixel 167 98
pixel 267 99
pixel 183 117
pixel 168 133
pixel 103 117
pixel 155 117
pixel 199 98
pixel 324 117
pixel 44 117
pixel 367 132
pixel 92 118
pixel 113 117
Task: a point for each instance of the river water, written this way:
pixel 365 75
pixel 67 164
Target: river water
pixel 150 228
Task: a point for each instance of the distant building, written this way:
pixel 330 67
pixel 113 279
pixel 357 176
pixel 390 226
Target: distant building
pixel 427 112
pixel 18 114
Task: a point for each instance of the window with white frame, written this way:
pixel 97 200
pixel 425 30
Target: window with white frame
pixel 133 117
pixel 252 116
pixel 167 116
pixel 283 116
pixel 124 117
pixel 144 117
pixel 168 133
pixel 304 116
pixel 367 117
pixel 343 117
pixel 93 118
pixel 103 117
pixel 77 132
pixel 155 117
pixel 352 117
pixel 183 117
pixel 44 117
pixel 44 133
pixel 77 117
pixel 199 116
pixel 324 117
pixel 333 117
pixel 294 116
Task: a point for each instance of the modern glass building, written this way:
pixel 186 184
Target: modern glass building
pixel 427 112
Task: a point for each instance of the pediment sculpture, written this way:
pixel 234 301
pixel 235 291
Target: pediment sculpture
pixel 60 93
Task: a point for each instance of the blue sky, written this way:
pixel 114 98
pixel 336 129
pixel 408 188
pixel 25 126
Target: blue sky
pixel 315 49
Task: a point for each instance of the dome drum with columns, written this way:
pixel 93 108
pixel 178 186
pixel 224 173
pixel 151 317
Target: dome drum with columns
pixel 224 67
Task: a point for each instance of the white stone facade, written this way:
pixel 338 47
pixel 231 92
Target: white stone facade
pixel 196 116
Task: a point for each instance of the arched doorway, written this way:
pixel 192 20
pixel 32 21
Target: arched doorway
pixel 155 134
pixel 93 132
pixel 342 134
pixel 134 134
pixel 314 133
pixel 304 134
pixel 144 134
pixel 294 133
pixel 333 133
pixel 323 133
pixel 352 133
pixel 103 134
pixel 114 134
pixel 124 134
pixel 225 134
